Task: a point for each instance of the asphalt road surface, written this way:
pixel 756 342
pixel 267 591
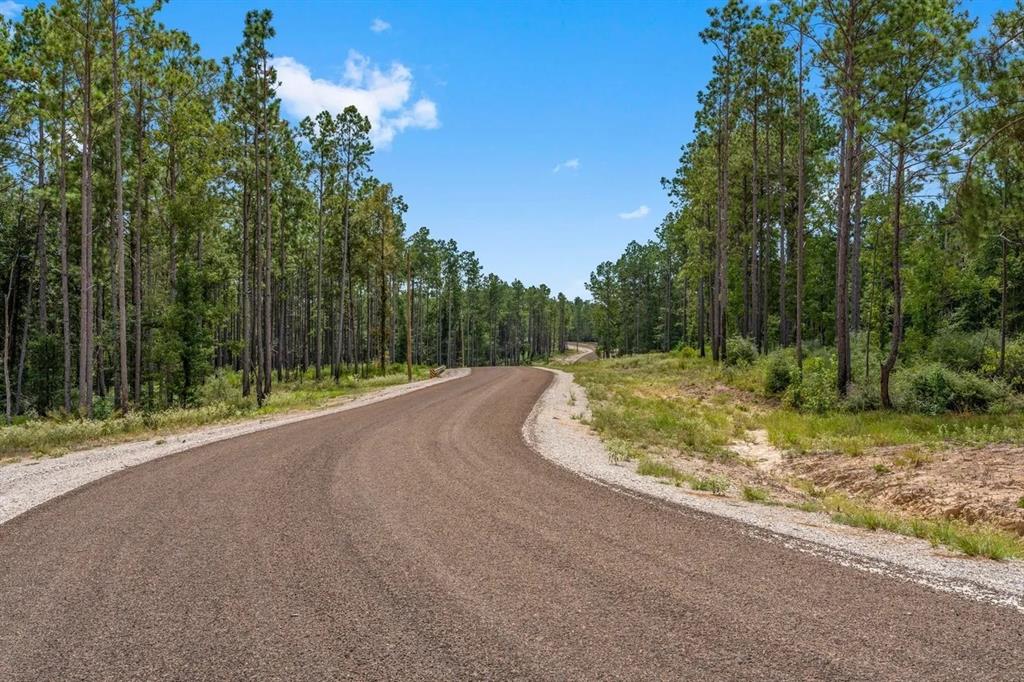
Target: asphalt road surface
pixel 419 538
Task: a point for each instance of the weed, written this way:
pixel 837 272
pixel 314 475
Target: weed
pixel 755 495
pixel 710 484
pixel 881 469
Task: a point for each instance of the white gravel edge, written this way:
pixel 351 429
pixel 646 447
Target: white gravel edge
pixel 554 431
pixel 27 484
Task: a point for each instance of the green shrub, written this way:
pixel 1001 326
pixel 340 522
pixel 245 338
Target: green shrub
pixel 816 390
pixel 751 494
pixel 740 351
pixel 963 351
pixel 221 387
pixel 779 373
pixel 933 388
pixel 863 396
pixel 1013 372
pixel 103 408
pixel 710 484
pixel 685 351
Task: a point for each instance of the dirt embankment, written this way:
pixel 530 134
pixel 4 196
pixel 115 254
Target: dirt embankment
pixel 970 484
pixel 978 484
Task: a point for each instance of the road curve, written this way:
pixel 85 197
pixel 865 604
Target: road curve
pixel 419 538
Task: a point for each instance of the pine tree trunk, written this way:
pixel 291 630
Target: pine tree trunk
pixel 85 344
pixel 41 251
pixel 897 280
pixel 122 322
pixel 64 265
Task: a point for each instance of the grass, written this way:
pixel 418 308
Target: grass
pixel 751 494
pixel 658 469
pixel 853 433
pixel 60 434
pixel 669 400
pixel 649 404
pixel 636 400
pixel 971 539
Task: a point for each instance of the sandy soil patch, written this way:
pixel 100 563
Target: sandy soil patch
pixel 983 484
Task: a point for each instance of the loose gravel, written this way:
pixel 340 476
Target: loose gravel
pixel 27 484
pixel 555 429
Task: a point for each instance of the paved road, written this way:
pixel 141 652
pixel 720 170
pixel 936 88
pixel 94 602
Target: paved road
pixel 420 538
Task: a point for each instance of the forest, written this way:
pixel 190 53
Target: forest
pixel 162 226
pixel 849 213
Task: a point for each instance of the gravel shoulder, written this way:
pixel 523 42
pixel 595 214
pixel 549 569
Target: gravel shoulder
pixel 30 483
pixel 555 430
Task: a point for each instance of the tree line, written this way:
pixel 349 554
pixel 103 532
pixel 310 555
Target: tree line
pixel 161 221
pixel 853 182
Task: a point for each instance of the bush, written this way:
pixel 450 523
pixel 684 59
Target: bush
pixel 1014 370
pixel 816 390
pixel 963 351
pixel 685 351
pixel 740 351
pixel 934 388
pixel 222 388
pixel 864 396
pixel 103 408
pixel 779 373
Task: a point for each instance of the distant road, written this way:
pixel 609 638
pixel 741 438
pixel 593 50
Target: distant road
pixel 584 351
pixel 419 538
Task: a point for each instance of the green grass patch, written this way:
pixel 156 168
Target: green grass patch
pixel 852 433
pixel 751 494
pixel 973 540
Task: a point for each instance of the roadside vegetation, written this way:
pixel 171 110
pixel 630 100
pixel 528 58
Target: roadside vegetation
pixel 839 274
pixel 685 420
pixel 218 401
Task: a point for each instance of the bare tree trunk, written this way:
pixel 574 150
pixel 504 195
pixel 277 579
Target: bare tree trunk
pixel 122 322
pixel 85 345
pixel 798 323
pixel 268 260
pixel 245 294
pixel 9 300
pixel 408 316
pixel 41 230
pixel 897 280
pixel 1002 309
pixel 783 241
pixel 721 296
pixel 755 231
pixel 137 226
pixel 855 275
pixel 64 294
pixel 843 222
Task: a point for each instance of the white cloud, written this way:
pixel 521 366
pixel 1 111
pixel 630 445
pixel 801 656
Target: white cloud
pixel 571 164
pixel 633 215
pixel 379 25
pixel 383 96
pixel 10 9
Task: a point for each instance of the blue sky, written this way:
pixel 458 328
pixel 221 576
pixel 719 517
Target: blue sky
pixel 518 88
pixel 477 104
